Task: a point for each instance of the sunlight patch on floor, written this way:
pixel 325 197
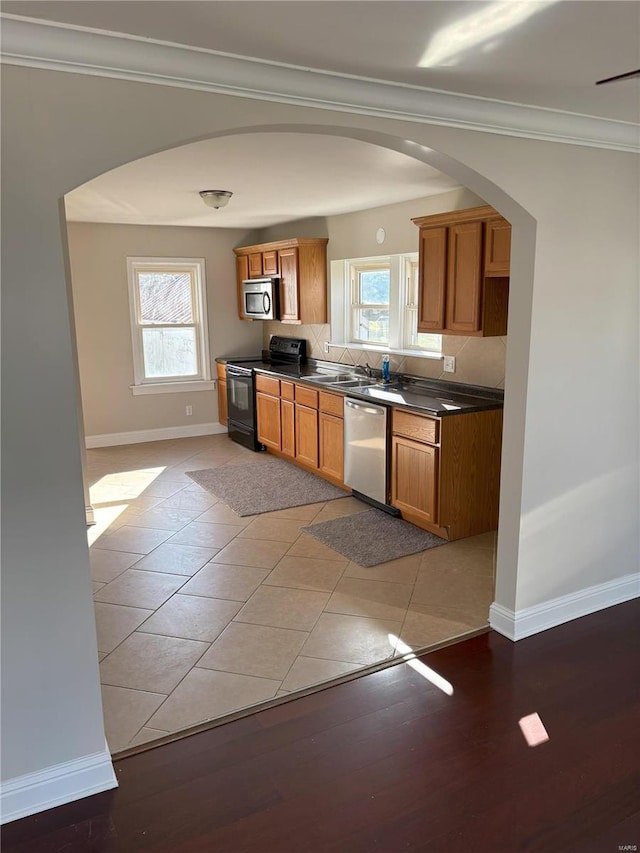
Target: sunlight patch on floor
pixel 425 671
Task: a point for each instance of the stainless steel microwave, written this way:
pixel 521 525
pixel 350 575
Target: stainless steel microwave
pixel 260 298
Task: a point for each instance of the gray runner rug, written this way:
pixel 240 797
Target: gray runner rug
pixel 256 487
pixel 373 537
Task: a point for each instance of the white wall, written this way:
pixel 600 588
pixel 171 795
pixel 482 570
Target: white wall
pixel 570 511
pixel 98 256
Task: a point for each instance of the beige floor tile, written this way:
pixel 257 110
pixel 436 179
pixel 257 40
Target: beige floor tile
pixel 308 546
pixel 273 529
pixel 221 514
pixel 176 559
pixel 101 656
pixel 192 617
pixel 454 586
pixel 306 512
pixel 151 662
pixel 307 671
pixel 142 503
pixel 306 573
pixel 376 599
pixel 107 565
pixel 251 552
pixel 125 711
pixel 206 535
pixel 282 693
pixel 206 694
pixel 459 557
pixel 283 608
pixel 254 650
pixel 145 735
pixel 138 540
pixel 96 586
pixel 163 489
pixel 352 638
pixel 114 623
pixel 484 540
pixel 187 499
pixel 402 570
pixel 140 589
pixel 166 518
pixel 425 625
pixel 341 506
pixel 217 580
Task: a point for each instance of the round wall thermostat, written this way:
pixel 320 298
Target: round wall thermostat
pixel 380 235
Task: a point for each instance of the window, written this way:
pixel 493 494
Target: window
pixel 374 305
pixel 168 323
pixel 370 293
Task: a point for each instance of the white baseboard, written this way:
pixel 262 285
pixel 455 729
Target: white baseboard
pixel 57 785
pixel 531 620
pixel 112 439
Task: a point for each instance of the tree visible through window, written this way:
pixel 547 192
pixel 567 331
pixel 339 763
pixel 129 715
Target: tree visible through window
pixel 370 303
pixel 168 319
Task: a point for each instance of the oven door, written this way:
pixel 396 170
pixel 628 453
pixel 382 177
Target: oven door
pixel 240 396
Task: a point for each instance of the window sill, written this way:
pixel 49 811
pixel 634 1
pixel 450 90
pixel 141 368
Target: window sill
pixel 382 350
pixel 173 387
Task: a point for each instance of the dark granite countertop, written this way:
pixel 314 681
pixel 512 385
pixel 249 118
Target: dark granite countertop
pixel 427 396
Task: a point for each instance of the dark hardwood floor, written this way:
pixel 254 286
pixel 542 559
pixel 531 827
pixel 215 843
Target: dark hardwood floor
pixel 390 763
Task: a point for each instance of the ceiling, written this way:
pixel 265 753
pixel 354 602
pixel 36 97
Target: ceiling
pixel 544 53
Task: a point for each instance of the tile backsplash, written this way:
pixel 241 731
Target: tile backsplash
pixel 479 361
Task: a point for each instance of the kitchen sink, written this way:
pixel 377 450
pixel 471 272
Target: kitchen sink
pixel 329 379
pixel 363 382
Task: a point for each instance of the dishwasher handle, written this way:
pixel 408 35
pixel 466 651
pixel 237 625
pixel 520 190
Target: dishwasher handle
pixel 370 410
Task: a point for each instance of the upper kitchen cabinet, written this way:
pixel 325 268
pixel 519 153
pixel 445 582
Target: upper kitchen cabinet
pixel 301 264
pixel 464 272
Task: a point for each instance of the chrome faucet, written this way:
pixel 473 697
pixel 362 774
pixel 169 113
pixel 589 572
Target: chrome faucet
pixel 367 369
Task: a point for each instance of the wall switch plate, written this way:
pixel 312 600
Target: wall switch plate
pixel 188 410
pixel 325 347
pixel 449 364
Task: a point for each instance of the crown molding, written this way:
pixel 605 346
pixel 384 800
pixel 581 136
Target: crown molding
pixel 80 50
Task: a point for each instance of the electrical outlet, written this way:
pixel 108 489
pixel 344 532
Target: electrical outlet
pixel 188 410
pixel 449 364
pixel 325 347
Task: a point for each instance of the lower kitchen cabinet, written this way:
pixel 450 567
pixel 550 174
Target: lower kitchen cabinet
pixel 445 472
pixel 268 417
pixel 306 435
pixel 223 414
pixel 414 468
pixel 331 441
pixel 287 428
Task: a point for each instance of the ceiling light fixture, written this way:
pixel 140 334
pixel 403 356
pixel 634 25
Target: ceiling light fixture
pixel 215 198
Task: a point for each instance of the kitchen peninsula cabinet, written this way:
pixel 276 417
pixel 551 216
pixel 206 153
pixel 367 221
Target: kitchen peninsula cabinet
pixel 301 264
pixel 463 271
pixel 445 472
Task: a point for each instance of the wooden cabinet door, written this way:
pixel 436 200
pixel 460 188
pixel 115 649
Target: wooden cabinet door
pixel 464 277
pixel 268 415
pixel 307 435
pixel 288 266
pixel 242 273
pixel 222 401
pixel 331 440
pixel 432 279
pixel 414 474
pixel 255 265
pixel 288 428
pixel 270 263
pixel 497 252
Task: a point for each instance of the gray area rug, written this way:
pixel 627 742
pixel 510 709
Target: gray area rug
pixel 265 486
pixel 373 537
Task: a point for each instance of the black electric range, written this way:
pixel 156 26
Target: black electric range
pixel 288 354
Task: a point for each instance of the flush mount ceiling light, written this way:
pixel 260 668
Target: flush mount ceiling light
pixel 215 198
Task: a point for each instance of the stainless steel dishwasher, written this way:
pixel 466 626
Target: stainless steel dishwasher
pixel 365 449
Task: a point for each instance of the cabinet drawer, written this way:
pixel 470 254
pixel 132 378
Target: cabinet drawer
pixel 333 404
pixel 221 370
pixel 268 385
pixel 306 396
pixel 287 390
pixel 418 427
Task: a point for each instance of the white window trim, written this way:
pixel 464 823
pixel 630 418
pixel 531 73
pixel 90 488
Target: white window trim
pixel 340 299
pixel 200 382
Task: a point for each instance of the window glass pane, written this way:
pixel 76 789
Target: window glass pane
pixel 374 287
pixel 165 297
pixel 371 324
pixel 169 352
